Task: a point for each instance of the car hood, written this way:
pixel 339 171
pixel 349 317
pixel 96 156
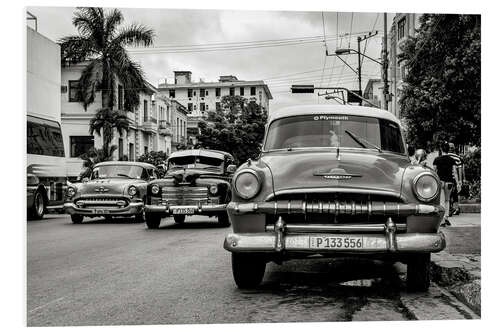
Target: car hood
pixel 366 170
pixel 106 186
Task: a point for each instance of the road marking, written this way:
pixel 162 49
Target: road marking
pixel 44 305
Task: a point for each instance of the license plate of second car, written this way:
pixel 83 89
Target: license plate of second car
pixel 338 242
pixel 183 211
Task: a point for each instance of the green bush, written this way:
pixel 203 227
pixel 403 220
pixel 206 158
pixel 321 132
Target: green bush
pixel 472 167
pixel 156 158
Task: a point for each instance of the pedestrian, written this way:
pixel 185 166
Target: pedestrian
pixel 460 177
pixel 446 169
pixel 411 154
pixel 421 158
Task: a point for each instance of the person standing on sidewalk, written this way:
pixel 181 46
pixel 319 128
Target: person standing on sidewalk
pixel 460 180
pixel 445 167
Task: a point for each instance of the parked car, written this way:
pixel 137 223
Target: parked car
pixel 115 189
pixel 333 181
pixel 197 183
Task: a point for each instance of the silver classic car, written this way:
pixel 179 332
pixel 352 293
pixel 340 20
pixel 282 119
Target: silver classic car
pixel 333 181
pixel 114 189
pixel 197 183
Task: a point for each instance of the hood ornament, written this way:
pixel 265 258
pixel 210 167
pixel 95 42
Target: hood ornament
pixel 101 189
pixel 336 174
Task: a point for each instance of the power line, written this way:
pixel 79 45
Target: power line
pixel 368 41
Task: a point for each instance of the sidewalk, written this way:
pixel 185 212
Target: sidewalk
pixel 458 267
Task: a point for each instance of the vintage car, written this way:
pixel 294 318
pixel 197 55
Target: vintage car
pixel 197 183
pixel 333 181
pixel 115 189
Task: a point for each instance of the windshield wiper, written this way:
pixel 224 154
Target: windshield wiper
pixel 358 140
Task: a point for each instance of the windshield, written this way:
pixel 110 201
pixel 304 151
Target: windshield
pixel 118 171
pixel 199 162
pixel 334 131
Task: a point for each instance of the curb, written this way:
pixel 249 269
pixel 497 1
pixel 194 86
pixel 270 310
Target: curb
pixel 461 275
pixel 470 207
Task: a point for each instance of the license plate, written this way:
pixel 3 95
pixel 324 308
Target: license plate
pixel 183 211
pixel 340 242
pixel 101 211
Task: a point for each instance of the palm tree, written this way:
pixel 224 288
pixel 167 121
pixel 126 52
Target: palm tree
pixel 101 45
pixel 107 120
pixel 94 156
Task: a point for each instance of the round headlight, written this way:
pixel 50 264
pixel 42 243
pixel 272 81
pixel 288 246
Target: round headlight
pixel 71 191
pixel 132 190
pixel 213 189
pixel 247 184
pixel 426 186
pixel 155 189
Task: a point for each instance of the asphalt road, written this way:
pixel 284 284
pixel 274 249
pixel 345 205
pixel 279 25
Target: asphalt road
pixel 100 273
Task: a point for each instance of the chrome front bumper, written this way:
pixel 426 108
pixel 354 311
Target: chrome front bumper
pixel 198 209
pixel 132 208
pixel 297 239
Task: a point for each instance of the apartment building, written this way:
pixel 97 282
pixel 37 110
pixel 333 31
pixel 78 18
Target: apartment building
pixel 147 132
pixel 374 92
pixel 403 26
pixel 201 97
pixel 179 121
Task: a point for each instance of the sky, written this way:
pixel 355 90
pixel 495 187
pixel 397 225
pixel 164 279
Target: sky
pixel 279 66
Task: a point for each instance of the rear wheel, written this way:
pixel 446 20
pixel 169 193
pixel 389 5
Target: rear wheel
pixel 418 277
pixel 153 220
pixel 179 219
pixel 77 219
pixel 38 208
pixel 223 220
pixel 248 270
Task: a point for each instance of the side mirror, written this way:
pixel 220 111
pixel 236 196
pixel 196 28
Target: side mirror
pixel 85 180
pixel 231 168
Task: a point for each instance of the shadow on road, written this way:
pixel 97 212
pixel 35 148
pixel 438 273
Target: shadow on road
pixel 192 225
pixel 114 220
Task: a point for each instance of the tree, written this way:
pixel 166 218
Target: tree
pixel 94 156
pixel 237 129
pixel 101 44
pixel 441 98
pixel 107 120
pixel 156 158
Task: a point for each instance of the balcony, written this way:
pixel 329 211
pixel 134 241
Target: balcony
pixel 149 125
pixel 164 128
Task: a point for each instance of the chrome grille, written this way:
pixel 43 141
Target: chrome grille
pixel 101 202
pixel 184 195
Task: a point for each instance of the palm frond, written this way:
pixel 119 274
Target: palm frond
pixel 75 49
pixel 89 82
pixel 90 23
pixel 113 19
pixel 134 35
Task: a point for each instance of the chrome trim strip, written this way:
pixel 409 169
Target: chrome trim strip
pixel 368 191
pixel 340 228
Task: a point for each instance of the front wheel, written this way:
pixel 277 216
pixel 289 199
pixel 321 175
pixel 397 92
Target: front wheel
pixel 248 270
pixel 179 219
pixel 38 208
pixel 153 220
pixel 418 275
pixel 139 218
pixel 76 219
pixel 223 220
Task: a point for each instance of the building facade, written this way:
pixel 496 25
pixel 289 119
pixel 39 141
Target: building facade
pixel 179 121
pixel 403 26
pixel 145 133
pixel 374 92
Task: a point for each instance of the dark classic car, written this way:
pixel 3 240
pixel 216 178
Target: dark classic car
pixel 114 189
pixel 333 181
pixel 197 183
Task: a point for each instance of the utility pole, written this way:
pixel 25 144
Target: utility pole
pixel 359 69
pixel 385 66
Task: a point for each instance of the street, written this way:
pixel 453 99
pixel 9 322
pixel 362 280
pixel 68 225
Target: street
pixel 121 273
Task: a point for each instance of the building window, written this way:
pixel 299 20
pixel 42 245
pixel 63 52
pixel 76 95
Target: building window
pixel 202 107
pixel 190 93
pixel 202 92
pixel 217 106
pixel 206 92
pixel 74 94
pixel 401 28
pixel 131 152
pixel 231 91
pixel 206 107
pixel 217 92
pixel 120 148
pixel 194 93
pixel 190 107
pixel 242 91
pixel 145 150
pixel 171 93
pixel 145 110
pixel 80 145
pixel 252 91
